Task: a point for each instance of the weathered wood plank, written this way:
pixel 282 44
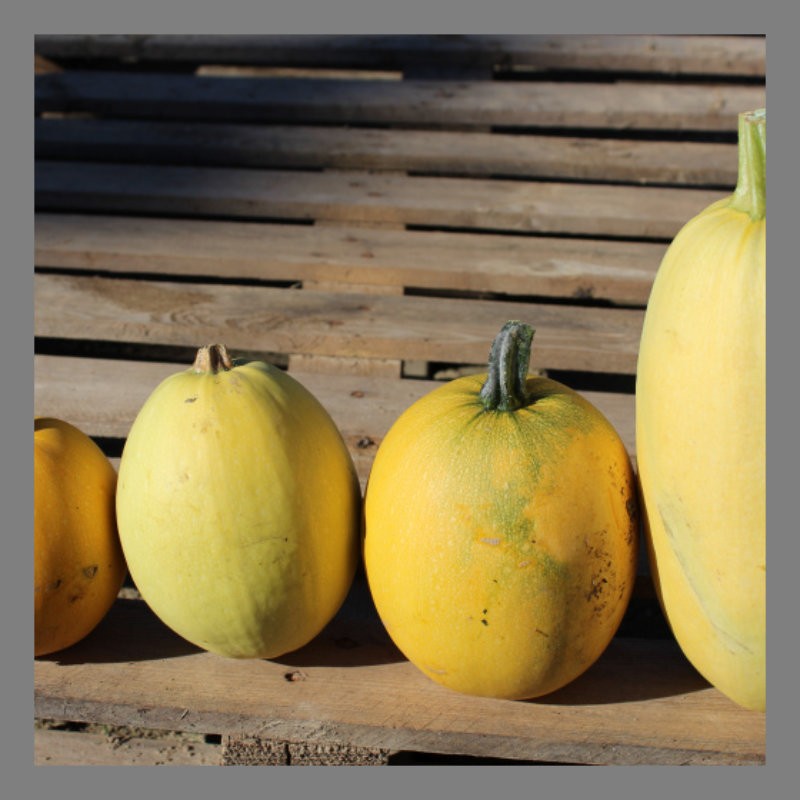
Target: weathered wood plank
pixel 591 210
pixel 621 272
pixel 364 326
pixel 641 703
pixel 102 397
pixel 715 55
pixel 671 55
pixel 44 65
pixel 619 105
pixel 257 751
pixel 472 154
pixel 93 748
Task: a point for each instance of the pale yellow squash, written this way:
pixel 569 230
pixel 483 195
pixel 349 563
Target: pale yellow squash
pixel 238 508
pixel 78 566
pixel 700 431
pixel 501 530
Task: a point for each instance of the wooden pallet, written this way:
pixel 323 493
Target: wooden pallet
pixel 366 212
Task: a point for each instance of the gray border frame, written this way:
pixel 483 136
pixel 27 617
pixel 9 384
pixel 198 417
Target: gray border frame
pixel 360 16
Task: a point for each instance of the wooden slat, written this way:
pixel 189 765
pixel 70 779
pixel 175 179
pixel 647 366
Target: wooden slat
pixel 618 105
pixel 621 211
pixel 79 748
pixel 622 272
pixel 363 326
pixel 720 55
pixel 102 397
pixel 434 152
pixel 672 55
pixel 44 65
pixel 641 703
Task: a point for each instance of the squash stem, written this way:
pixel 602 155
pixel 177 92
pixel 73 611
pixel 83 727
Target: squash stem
pixel 750 195
pixel 509 358
pixel 211 359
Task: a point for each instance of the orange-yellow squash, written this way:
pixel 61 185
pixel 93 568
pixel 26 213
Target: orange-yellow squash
pixel 501 526
pixel 701 431
pixel 78 563
pixel 238 507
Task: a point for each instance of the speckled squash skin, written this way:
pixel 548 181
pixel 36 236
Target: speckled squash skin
pixel 238 508
pixel 500 545
pixel 78 566
pixel 701 432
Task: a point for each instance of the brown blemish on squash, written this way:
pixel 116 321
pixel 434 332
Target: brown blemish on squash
pixel 49 587
pixel 598 587
pixel 90 571
pixel 632 508
pixel 602 579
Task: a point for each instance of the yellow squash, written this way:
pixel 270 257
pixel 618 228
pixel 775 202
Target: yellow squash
pixel 238 508
pixel 501 530
pixel 78 563
pixel 700 431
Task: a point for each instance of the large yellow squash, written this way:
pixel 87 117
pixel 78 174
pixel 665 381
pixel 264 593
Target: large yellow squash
pixel 78 566
pixel 501 530
pixel 238 508
pixel 700 431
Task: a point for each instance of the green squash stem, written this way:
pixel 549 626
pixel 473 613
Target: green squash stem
pixel 750 195
pixel 211 359
pixel 509 358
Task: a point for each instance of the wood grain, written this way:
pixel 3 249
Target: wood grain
pixel 440 152
pixel 618 105
pixel 641 703
pixel 364 326
pixel 93 748
pixel 621 272
pixel 352 197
